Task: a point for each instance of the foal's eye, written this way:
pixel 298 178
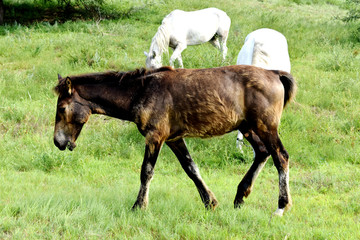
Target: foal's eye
pixel 62 110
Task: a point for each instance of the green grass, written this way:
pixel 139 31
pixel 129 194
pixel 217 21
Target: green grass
pixel 88 193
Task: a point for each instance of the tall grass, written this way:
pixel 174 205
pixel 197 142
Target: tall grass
pixel 88 193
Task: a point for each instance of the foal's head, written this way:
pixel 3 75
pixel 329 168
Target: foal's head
pixel 71 114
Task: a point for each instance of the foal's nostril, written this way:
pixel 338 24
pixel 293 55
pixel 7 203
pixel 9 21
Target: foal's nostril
pixel 71 146
pixel 58 145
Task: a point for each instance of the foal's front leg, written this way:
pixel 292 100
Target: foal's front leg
pixel 182 153
pixel 147 172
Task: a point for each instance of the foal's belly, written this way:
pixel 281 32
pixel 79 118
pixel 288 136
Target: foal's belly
pixel 206 127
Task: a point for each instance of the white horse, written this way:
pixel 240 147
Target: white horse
pixel 180 29
pixel 264 48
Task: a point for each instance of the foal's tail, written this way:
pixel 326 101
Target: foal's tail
pixel 289 84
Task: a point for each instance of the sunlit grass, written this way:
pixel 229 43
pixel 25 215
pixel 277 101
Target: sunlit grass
pixel 88 193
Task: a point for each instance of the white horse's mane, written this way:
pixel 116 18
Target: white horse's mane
pixel 161 40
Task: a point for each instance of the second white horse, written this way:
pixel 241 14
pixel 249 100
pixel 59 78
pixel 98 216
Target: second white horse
pixel 264 48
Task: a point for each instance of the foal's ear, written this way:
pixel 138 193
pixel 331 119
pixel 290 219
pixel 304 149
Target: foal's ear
pixel 146 54
pixel 68 85
pixel 59 77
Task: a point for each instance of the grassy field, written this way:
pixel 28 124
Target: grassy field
pixel 88 193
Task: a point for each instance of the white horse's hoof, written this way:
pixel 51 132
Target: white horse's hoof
pixel 279 212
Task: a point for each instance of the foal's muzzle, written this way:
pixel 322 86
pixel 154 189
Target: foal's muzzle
pixel 62 146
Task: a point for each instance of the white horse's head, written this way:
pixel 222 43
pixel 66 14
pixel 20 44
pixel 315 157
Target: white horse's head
pixel 159 45
pixel 153 60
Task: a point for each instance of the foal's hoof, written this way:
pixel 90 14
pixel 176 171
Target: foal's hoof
pixel 279 212
pixel 238 203
pixel 212 205
pixel 137 205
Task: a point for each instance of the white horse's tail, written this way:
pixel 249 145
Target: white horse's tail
pixel 160 41
pixel 265 48
pixel 245 56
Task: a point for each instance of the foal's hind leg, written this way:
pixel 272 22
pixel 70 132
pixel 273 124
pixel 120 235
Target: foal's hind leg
pixel 182 153
pixel 261 156
pixel 281 160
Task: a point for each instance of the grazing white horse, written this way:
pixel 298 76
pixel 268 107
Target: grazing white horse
pixel 264 48
pixel 180 29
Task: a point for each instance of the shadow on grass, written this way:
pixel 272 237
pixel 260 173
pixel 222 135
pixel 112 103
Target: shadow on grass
pixel 27 14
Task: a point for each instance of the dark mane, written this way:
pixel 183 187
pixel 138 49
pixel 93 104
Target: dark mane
pixel 106 77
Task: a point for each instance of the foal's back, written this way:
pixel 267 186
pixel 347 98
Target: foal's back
pixel 208 102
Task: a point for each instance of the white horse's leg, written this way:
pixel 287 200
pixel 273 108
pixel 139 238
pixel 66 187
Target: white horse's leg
pixel 177 55
pixel 223 39
pixel 215 42
pixel 221 45
pixel 223 33
pixel 240 141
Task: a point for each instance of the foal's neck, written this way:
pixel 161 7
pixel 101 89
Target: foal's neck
pixel 109 99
